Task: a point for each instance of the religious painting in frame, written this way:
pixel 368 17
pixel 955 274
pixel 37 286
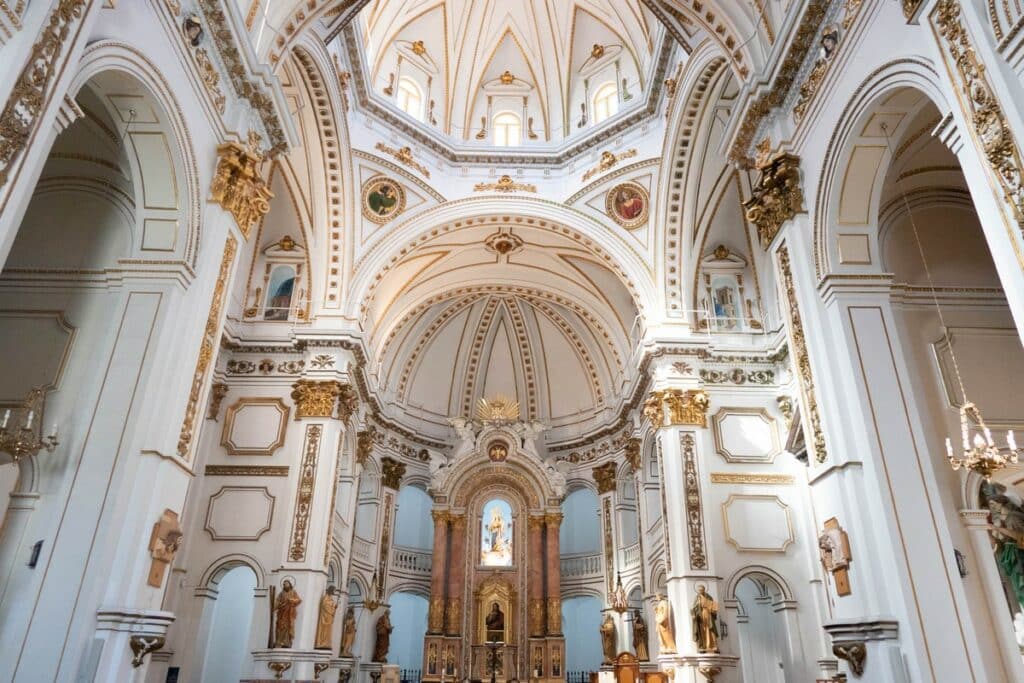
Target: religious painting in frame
pixel 628 204
pixel 382 199
pixel 496 534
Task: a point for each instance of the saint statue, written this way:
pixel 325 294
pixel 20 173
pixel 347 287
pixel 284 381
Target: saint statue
pixel 348 633
pixel 1007 531
pixel 495 621
pixel 325 620
pixel 640 637
pixel 286 609
pixel 383 642
pixel 705 621
pixel 496 527
pixel 663 620
pixel 608 639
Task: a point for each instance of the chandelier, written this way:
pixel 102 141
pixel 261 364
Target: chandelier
pixel 620 603
pixel 20 434
pixel 373 599
pixel 980 453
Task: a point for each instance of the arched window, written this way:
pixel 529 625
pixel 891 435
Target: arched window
pixel 508 130
pixel 606 101
pixel 410 97
pixel 279 293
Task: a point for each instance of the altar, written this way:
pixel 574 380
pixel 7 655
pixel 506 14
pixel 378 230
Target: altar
pixel 495 605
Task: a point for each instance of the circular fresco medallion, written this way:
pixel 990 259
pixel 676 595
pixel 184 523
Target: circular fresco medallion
pixel 383 199
pixel 628 204
pixel 498 451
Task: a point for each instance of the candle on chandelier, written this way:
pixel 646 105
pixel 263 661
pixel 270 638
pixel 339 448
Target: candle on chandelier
pixel 7 417
pixel 1011 442
pixel 949 448
pixel 29 418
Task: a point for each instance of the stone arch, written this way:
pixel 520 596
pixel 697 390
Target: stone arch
pixel 762 573
pixel 222 565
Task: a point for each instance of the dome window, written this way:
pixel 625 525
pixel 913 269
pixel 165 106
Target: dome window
pixel 508 130
pixel 606 102
pixel 410 98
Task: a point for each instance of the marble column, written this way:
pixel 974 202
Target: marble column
pixel 456 577
pixel 435 620
pixel 535 588
pixel 553 522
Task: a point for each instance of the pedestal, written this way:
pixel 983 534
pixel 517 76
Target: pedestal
pixel 389 673
pixel 136 631
pixel 286 664
pixel 345 667
pixel 702 668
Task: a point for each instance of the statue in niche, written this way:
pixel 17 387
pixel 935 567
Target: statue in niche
pixel 1006 515
pixel 325 620
pixel 496 535
pixel 495 622
pixel 383 642
pixel 608 639
pixel 663 620
pixel 348 633
pixel 286 609
pixel 705 621
pixel 640 637
pixel 432 659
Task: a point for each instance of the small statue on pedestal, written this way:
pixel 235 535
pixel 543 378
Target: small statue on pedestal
pixel 348 633
pixel 640 637
pixel 663 620
pixel 286 609
pixel 705 621
pixel 383 643
pixel 325 620
pixel 608 639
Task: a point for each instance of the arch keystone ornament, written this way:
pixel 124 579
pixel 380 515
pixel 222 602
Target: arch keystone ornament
pixel 237 184
pixel 776 197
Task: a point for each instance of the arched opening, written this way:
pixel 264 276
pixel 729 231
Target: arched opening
pixel 580 533
pixel 409 617
pixel 410 97
pixel 606 101
pixel 763 631
pixel 227 645
pixel 580 619
pixel 508 129
pixel 414 528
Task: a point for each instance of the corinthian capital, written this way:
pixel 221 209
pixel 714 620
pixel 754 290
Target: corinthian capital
pixel 315 399
pixel 776 197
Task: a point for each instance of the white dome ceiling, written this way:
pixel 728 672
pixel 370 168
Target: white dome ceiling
pixel 558 53
pixel 491 310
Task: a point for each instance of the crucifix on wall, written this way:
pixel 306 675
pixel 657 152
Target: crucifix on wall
pixel 834 548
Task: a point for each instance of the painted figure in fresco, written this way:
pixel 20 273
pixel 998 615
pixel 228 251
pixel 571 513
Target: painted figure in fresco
pixel 705 621
pixel 325 620
pixel 640 637
pixel 628 203
pixel 286 609
pixel 382 200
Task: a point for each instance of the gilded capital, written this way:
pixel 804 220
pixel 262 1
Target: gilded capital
pixel 238 186
pixel 392 472
pixel 604 475
pixel 536 521
pixel 776 197
pixel 441 516
pixel 553 519
pixel 677 407
pixel 458 521
pixel 364 444
pixel 348 402
pixel 315 399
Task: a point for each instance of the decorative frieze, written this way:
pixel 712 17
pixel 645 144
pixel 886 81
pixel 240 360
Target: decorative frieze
pixel 31 92
pixel 237 184
pixel 505 184
pixel 246 470
pixel 758 478
pixel 677 407
pixel 604 475
pixel 304 498
pixel 692 502
pixel 776 197
pixel 392 472
pixel 801 359
pixel 315 399
pixel 737 376
pixel 206 347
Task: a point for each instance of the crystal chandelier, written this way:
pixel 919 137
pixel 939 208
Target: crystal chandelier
pixel 980 454
pixel 620 603
pixel 20 435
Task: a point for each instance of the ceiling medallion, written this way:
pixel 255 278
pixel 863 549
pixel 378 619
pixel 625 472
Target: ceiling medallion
pixel 504 184
pixel 628 205
pixel 503 244
pixel 497 451
pixel 382 199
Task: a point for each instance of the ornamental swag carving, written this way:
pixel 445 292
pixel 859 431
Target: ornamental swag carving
pixel 237 184
pixel 776 197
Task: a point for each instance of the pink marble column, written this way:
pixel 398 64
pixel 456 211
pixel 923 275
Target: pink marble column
pixel 535 588
pixel 435 620
pixel 457 576
pixel 553 521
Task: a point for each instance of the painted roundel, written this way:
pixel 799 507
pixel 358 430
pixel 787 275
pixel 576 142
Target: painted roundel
pixel 628 204
pixel 383 199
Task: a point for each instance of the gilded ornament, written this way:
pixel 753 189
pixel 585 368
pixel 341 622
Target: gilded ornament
pixel 142 646
pixel 211 79
pixel 304 498
pixel 218 390
pixel 604 475
pixel 237 184
pixel 776 197
pixel 801 359
pixel 392 472
pixel 678 407
pixel 364 444
pixel 910 8
pixel 164 543
pixel 503 243
pixel 607 162
pixel 692 503
pixel 632 453
pixel 30 95
pixel 435 616
pixel 206 347
pixel 554 616
pixel 504 184
pixel 348 400
pixel 315 399
pixel 382 199
pixel 498 409
pixel 404 156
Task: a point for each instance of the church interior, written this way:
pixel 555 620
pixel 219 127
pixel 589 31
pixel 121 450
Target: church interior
pixel 553 341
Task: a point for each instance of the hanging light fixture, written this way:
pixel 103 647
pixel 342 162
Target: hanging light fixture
pixel 20 432
pixel 980 452
pixel 620 603
pixel 373 600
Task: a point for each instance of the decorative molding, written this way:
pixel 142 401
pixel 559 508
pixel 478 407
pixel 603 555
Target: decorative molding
pixel 31 92
pixel 854 654
pixel 632 454
pixel 142 645
pixel 608 161
pixel 404 157
pixel 692 502
pixel 246 470
pixel 237 184
pixel 737 376
pixel 364 445
pixel 304 498
pixel 504 184
pixel 227 434
pixel 770 450
pixel 228 492
pixel 737 543
pixel 218 391
pixel 206 347
pixel 753 478
pixel 776 196
pixel 802 360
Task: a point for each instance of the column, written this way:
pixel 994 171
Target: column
pixel 535 588
pixel 456 577
pixel 435 619
pixel 553 522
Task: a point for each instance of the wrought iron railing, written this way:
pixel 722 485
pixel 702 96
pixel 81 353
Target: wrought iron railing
pixel 410 675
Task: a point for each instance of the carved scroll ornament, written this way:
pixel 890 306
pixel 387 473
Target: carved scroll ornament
pixel 776 197
pixel 237 184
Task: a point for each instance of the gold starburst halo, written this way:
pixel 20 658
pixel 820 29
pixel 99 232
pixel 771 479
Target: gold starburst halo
pixel 498 409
